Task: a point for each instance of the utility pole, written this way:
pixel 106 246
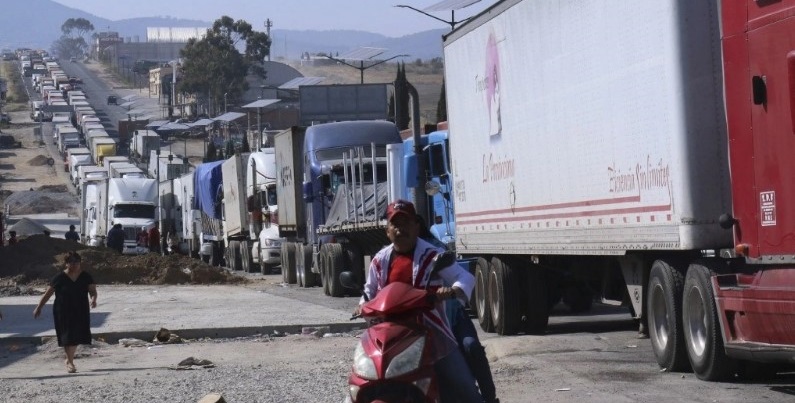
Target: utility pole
pixel 268 25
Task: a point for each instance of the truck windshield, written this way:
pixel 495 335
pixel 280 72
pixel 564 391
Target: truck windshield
pixel 337 175
pixel 270 196
pixel 133 211
pixel 335 154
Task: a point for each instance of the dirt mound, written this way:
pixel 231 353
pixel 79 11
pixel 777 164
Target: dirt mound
pixel 39 258
pixel 38 202
pixel 28 227
pixel 53 188
pixel 38 161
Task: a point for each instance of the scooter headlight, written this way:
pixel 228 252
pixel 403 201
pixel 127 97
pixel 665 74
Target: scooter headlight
pixel 363 366
pixel 407 361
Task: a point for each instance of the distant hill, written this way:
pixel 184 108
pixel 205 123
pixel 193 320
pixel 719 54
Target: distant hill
pixel 37 23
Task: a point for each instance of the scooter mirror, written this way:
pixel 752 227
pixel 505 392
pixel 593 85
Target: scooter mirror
pixel 348 281
pixel 442 260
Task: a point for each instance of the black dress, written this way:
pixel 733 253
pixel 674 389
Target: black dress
pixel 71 309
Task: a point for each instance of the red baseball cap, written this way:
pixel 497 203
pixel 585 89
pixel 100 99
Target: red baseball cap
pixel 400 207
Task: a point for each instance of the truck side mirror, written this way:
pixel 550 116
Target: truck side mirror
pixel 436 160
pixel 308 194
pixel 410 170
pixel 325 181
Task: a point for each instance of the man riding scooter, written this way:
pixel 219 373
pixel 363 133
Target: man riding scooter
pixel 406 260
pixel 465 333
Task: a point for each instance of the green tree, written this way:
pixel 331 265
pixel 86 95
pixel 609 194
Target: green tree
pixel 213 66
pixel 211 153
pixel 230 148
pixel 441 106
pixel 403 112
pixel 72 42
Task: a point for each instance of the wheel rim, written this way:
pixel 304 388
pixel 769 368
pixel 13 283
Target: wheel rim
pixel 494 299
pixel 659 316
pixel 480 292
pixel 696 321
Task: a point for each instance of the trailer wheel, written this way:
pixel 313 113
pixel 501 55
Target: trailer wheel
pixel 354 261
pixel 299 273
pixel 578 297
pixel 311 279
pixel 266 268
pixel 481 304
pixel 234 261
pixel 701 327
pixel 245 257
pixel 536 312
pixel 323 260
pixel 334 268
pixel 503 297
pixel 288 262
pixel 664 314
pixel 217 256
pixel 303 270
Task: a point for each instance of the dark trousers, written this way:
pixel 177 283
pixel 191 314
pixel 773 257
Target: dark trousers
pixel 456 384
pixel 474 353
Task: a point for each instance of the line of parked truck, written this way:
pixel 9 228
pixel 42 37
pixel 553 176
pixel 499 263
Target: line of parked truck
pixel 651 173
pixel 625 174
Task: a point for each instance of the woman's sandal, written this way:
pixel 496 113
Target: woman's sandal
pixel 70 368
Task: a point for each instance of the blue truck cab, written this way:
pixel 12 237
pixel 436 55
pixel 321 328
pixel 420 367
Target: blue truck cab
pixel 325 160
pixel 439 185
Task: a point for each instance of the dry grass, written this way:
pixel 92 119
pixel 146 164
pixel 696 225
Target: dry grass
pixel 425 78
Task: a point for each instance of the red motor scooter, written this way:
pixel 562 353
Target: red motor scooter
pixel 394 362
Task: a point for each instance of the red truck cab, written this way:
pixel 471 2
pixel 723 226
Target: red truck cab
pixel 756 304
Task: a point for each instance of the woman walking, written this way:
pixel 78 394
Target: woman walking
pixel 71 307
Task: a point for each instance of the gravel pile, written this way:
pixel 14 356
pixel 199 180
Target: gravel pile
pixel 41 201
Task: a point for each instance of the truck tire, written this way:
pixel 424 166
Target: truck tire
pixel 334 267
pixel 217 256
pixel 245 258
pixel 323 261
pixel 702 333
pixel 481 304
pixel 299 264
pixel 536 310
pixel 304 275
pixel 234 262
pixel 664 313
pixel 578 297
pixel 354 261
pixel 311 279
pixel 265 268
pixel 288 262
pixel 504 297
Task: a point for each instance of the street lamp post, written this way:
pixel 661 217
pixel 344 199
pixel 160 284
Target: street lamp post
pixel 361 66
pixel 173 64
pixel 225 94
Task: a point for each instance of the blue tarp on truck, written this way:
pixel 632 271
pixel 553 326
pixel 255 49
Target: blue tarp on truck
pixel 207 185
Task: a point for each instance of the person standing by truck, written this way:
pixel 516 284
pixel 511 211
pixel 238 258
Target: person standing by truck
pixel 115 238
pixel 154 239
pixel 72 235
pixel 143 238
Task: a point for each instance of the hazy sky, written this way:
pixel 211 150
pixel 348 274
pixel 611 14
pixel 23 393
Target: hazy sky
pixel 379 16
